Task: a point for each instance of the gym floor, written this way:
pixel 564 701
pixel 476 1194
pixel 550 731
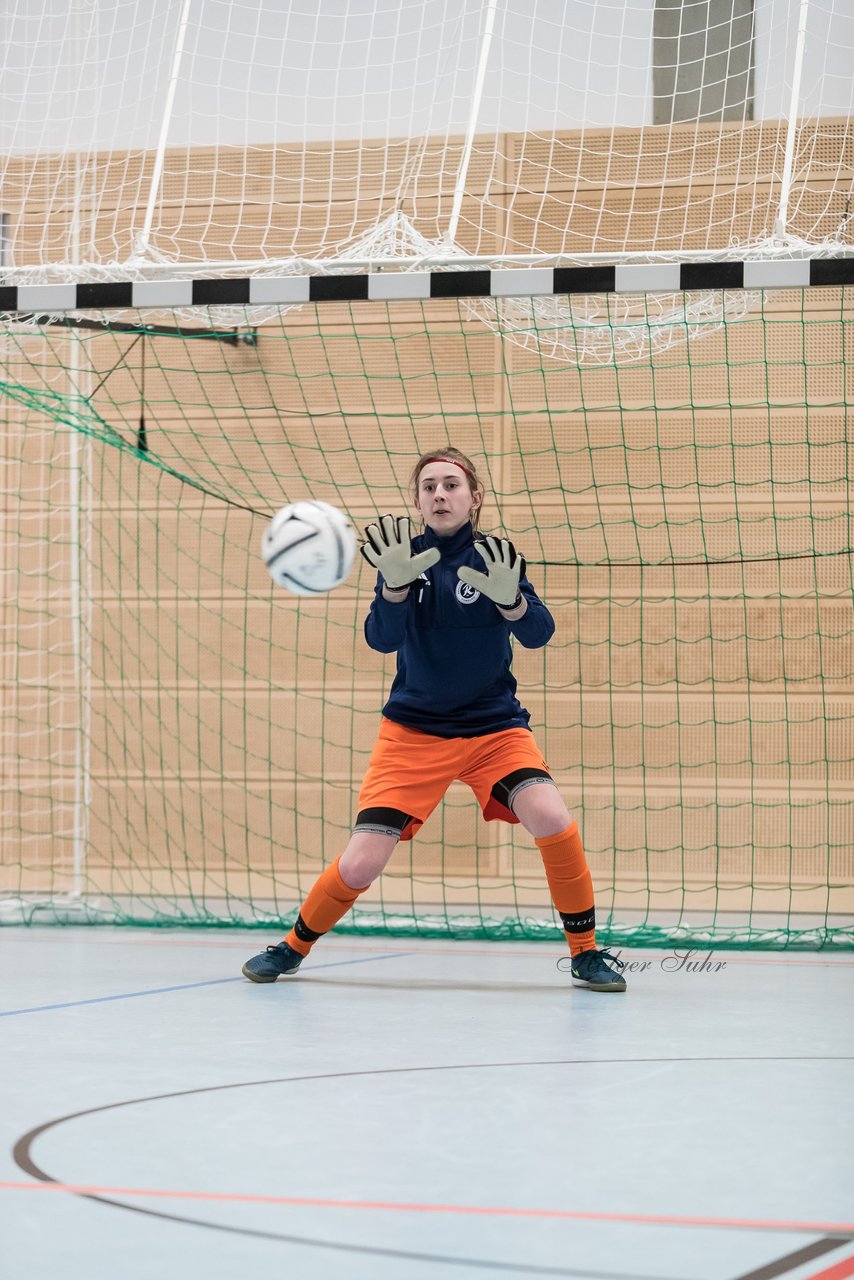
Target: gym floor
pixel 413 1110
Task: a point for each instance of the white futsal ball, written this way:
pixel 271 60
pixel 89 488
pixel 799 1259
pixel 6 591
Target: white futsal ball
pixel 308 547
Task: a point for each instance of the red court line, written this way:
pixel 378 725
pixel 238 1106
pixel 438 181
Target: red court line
pixel 816 959
pixel 839 1271
pixel 467 1210
pixel 460 948
pixel 338 944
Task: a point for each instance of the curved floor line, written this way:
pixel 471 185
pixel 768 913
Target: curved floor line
pixel 22 1146
pixel 22 1151
pixel 337 1246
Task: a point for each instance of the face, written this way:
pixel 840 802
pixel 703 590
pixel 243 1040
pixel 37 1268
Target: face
pixel 444 498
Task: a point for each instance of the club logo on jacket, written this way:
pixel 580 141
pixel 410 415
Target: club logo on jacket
pixel 466 594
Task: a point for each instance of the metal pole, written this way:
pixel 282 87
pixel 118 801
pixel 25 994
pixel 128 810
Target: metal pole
pixel 782 219
pixel 141 242
pixel 78 465
pixel 488 27
pixel 81 751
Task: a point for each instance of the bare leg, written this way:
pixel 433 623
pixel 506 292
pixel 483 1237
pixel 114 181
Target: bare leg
pixel 365 858
pixel 541 810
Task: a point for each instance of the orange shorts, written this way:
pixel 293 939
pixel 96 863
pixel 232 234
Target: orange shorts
pixel 410 771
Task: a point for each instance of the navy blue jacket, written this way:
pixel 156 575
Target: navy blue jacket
pixel 453 647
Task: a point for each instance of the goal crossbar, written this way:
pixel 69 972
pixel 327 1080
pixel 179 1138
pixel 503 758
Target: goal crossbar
pixel 399 285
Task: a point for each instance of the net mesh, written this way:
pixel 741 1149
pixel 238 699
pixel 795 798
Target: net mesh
pixel 215 132
pixel 183 742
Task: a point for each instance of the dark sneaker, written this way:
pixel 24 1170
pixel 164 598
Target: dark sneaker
pixel 588 969
pixel 272 963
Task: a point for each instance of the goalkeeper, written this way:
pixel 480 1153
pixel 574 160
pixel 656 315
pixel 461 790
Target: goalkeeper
pixel 447 602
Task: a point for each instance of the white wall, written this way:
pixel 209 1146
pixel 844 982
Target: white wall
pixel 93 73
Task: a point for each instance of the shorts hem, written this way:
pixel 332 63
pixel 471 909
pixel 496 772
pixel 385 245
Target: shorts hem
pixel 527 782
pixel 376 830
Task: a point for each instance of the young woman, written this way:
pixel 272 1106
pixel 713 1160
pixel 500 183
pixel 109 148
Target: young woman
pixel 447 602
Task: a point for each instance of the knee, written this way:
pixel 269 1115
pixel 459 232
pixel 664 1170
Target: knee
pixel 542 811
pixel 365 859
pixel 549 825
pixel 357 871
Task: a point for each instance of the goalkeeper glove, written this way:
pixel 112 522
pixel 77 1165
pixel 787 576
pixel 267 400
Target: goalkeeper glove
pixel 389 550
pixel 504 568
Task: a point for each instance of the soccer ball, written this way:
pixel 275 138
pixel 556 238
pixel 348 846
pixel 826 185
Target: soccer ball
pixel 308 547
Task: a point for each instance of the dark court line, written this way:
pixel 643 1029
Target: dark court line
pixel 185 986
pixel 22 1155
pixel 789 1261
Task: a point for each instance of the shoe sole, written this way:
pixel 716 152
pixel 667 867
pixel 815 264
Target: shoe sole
pixel 619 985
pixel 257 977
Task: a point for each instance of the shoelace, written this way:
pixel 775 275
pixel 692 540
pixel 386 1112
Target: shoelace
pixel 603 955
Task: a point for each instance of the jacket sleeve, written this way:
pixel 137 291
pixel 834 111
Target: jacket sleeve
pixel 536 626
pixel 385 625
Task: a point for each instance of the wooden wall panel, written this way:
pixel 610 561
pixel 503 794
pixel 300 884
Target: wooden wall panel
pixel 702 713
pixel 711 184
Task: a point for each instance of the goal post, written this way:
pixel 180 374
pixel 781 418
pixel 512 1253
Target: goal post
pixel 215 301
pixel 689 528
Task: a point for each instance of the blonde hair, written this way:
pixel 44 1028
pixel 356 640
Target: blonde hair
pixel 450 454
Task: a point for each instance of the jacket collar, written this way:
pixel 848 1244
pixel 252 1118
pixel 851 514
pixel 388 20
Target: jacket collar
pixel 458 541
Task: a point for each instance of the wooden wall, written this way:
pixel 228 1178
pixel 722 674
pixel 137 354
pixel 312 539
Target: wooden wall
pixel 658 189
pixel 701 718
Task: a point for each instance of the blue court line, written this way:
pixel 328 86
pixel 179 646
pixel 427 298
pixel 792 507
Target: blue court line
pixel 186 986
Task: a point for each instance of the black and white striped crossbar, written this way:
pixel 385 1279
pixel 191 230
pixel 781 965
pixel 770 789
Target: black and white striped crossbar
pixel 378 286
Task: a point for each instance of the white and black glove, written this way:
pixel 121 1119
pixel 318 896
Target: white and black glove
pixel 504 568
pixel 389 550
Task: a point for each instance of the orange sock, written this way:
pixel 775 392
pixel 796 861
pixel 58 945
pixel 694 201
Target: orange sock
pixel 329 900
pixel 571 886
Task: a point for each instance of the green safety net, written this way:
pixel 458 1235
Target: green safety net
pixel 182 741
